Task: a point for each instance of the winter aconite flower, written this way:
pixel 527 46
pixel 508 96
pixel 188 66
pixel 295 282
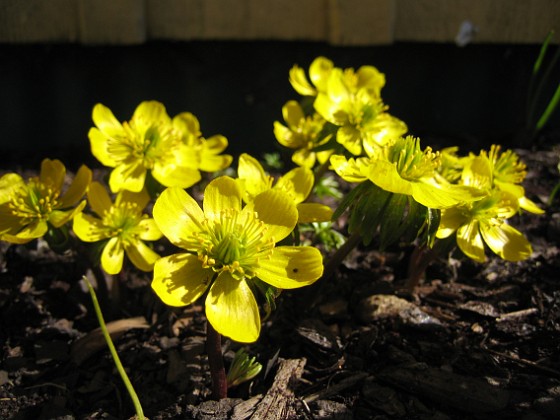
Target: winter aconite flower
pixel 401 167
pixel 352 103
pixel 302 133
pixel 296 183
pixel 170 150
pixel 227 246
pixel 484 221
pixel 29 209
pixel 120 226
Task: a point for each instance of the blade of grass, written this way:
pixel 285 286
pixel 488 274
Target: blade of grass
pixel 114 354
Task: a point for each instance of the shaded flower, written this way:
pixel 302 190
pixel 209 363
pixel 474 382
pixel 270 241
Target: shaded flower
pixel 296 183
pixel 302 133
pixel 29 209
pixel 121 226
pixel 228 245
pixel 484 221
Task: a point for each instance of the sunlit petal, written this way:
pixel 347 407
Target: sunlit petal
pixel 112 256
pixel 313 212
pixel 470 241
pixel 506 241
pixel 141 255
pixel 179 279
pixel 232 310
pixel 291 267
pixel 88 228
pixel 277 210
pixel 221 193
pixel 178 216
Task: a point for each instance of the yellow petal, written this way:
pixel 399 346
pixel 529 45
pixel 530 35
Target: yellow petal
pixel 170 175
pixel 297 183
pixel 31 231
pixel 57 218
pixel 451 220
pixel 300 83
pixel 98 199
pixel 128 176
pixel 292 113
pixel 350 138
pixel 9 183
pixel 256 180
pixel 506 241
pixel 291 267
pixel 148 230
pixel 304 157
pixel 313 212
pixel 148 113
pixel 221 193
pixel 277 210
pixel 187 124
pixel 78 187
pixel 178 216
pixel 319 72
pixel 105 121
pixel 112 256
pixel 179 279
pixel 384 174
pixel 89 228
pixel 141 199
pixel 470 241
pixel 530 206
pixel 52 173
pixel 232 310
pixel 210 159
pixel 98 142
pixel 349 170
pixel 141 255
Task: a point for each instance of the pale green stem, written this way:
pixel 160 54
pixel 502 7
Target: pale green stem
pixel 114 354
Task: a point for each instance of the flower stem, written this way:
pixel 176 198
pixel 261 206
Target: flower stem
pixel 216 362
pixel 341 253
pixel 114 354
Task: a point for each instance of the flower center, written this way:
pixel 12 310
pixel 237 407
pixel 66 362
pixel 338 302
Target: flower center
pixel 36 200
pixel 412 163
pixel 234 241
pixel 121 219
pixel 507 167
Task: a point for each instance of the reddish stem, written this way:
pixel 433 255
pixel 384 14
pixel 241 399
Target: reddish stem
pixel 216 362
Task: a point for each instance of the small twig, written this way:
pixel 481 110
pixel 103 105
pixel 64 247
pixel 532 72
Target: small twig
pixel 521 361
pixel 517 314
pixel 334 389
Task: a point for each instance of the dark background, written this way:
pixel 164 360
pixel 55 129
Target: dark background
pixel 471 96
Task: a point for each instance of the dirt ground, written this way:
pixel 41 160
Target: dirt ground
pixel 472 341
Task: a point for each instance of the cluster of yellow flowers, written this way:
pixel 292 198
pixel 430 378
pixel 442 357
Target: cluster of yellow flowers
pixel 229 243
pixel 472 196
pixel 233 240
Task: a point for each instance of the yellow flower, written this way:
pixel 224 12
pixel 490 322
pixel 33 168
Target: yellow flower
pixel 152 142
pixel 228 245
pixel 484 221
pixel 200 153
pixel 319 72
pixel 508 171
pixel 121 225
pixel 297 184
pixel 356 108
pixel 402 167
pixel 302 134
pixel 29 209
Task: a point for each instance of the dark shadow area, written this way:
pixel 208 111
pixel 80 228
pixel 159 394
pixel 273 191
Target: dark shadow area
pixel 468 96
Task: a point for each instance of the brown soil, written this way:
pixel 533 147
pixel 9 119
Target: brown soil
pixel 472 341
